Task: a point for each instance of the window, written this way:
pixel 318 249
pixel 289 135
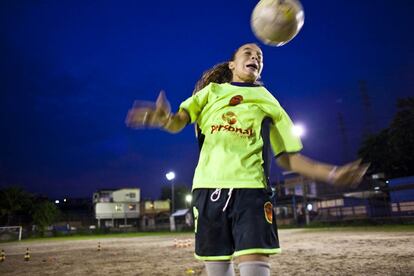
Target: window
pixel 360 210
pixel 131 195
pixel 339 202
pixel 119 208
pixel 290 191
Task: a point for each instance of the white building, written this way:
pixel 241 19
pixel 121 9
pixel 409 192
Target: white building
pixel 116 207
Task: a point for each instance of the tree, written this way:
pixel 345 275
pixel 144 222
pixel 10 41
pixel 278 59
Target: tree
pixel 44 214
pixel 401 136
pixel 391 150
pixel 14 200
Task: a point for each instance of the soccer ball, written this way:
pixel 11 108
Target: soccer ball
pixel 276 22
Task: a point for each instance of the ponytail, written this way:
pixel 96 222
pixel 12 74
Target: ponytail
pixel 220 73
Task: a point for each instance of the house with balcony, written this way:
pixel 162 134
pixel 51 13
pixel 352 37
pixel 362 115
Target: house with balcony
pixel 117 207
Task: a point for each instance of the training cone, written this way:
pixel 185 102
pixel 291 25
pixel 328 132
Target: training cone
pixel 182 243
pixel 179 244
pixel 27 255
pixel 2 256
pixel 189 271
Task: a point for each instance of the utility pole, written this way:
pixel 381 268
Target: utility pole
pixel 344 137
pixel 366 103
pixel 305 200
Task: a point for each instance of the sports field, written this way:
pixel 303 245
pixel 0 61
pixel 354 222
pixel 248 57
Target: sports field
pixel 334 251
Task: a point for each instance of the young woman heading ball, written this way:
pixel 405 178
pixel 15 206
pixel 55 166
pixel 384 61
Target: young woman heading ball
pixel 238 121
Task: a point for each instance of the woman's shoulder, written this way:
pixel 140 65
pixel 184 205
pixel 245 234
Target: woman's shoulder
pixel 216 88
pixel 265 93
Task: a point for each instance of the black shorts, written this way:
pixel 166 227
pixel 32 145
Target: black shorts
pixel 246 226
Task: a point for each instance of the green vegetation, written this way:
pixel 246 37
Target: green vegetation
pixel 44 214
pixel 364 228
pixel 14 202
pixel 105 236
pixel 313 228
pixel 18 207
pixel 389 150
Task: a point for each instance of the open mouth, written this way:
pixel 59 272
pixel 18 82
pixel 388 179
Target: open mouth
pixel 252 66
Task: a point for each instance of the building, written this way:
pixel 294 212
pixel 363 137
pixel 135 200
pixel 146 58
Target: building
pixel 155 215
pixel 301 200
pixel 297 198
pixel 182 219
pixel 117 208
pixel 401 192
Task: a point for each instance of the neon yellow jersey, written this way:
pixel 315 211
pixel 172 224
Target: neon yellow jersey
pixel 232 119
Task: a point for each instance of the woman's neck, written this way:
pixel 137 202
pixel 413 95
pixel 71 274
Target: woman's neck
pixel 245 84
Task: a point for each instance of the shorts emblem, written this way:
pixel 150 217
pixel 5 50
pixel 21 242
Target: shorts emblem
pixel 268 211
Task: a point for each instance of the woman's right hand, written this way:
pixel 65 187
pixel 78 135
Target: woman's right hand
pixel 155 116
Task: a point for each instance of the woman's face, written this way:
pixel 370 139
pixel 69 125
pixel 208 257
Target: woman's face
pixel 247 64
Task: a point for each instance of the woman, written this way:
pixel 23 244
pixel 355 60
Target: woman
pixel 237 121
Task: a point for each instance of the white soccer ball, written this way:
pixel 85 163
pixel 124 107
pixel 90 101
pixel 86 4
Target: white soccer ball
pixel 276 22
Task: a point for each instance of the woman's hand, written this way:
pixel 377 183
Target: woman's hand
pixel 348 175
pixel 158 115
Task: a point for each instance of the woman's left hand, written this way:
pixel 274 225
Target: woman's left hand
pixel 349 174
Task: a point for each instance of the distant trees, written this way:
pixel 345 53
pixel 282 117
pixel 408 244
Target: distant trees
pixel 13 201
pixel 19 207
pixel 44 214
pixel 392 150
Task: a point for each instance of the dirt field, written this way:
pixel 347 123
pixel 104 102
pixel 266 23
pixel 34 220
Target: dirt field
pixel 304 253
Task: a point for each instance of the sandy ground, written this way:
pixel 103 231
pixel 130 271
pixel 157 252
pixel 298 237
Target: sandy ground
pixel 304 253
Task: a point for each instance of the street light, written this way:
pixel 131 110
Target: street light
pixel 298 130
pixel 188 199
pixel 170 177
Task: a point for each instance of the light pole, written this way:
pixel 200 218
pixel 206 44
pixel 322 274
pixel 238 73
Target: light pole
pixel 170 177
pixel 299 130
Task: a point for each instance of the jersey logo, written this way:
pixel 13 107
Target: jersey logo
pixel 229 117
pixel 236 100
pixel 268 212
pixel 242 132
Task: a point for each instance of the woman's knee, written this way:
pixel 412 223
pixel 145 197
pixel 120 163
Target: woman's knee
pixel 253 258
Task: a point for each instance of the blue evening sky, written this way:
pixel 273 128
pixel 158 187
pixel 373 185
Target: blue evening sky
pixel 71 69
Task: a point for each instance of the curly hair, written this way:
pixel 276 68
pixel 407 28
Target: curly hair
pixel 219 73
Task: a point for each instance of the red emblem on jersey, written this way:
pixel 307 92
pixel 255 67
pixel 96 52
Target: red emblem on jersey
pixel 229 117
pixel 268 211
pixel 236 100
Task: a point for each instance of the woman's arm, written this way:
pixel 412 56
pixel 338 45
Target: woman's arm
pixel 176 122
pixel 349 174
